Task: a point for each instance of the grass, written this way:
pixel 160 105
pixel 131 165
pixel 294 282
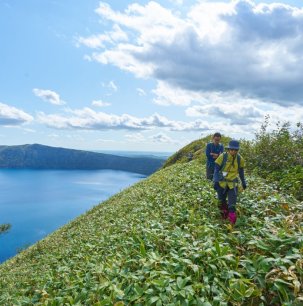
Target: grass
pixel 192 151
pixel 162 242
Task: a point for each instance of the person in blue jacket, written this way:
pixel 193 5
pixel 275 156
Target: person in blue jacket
pixel 212 151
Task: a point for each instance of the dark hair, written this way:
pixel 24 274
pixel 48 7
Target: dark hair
pixel 217 135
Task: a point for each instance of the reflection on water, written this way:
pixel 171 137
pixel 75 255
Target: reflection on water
pixel 37 202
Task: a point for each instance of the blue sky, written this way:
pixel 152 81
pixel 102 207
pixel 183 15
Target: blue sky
pixel 146 75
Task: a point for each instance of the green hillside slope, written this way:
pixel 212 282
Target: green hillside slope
pixel 162 242
pixel 192 151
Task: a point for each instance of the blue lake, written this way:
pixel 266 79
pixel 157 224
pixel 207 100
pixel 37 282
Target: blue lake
pixel 37 202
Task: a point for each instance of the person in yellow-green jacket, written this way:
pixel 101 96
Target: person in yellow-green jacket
pixel 229 166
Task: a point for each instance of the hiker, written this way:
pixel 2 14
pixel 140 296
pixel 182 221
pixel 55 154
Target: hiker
pixel 228 166
pixel 212 151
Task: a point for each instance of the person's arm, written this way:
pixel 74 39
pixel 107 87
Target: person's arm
pixel 216 176
pixel 242 177
pixel 208 151
pixel 241 173
pixel 216 173
pixel 216 155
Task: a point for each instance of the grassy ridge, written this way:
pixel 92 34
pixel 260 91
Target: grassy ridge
pixel 192 151
pixel 162 242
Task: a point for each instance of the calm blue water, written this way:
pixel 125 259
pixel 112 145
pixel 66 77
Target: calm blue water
pixel 37 202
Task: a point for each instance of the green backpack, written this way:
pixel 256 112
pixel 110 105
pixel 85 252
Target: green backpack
pixel 224 163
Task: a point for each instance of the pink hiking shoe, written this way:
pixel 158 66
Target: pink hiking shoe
pixel 232 216
pixel 224 211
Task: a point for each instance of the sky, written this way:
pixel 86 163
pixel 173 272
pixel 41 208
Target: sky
pixel 146 75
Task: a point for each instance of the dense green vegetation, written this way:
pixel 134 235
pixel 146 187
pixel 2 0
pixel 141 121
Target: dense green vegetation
pixel 4 228
pixel 194 150
pixel 162 242
pixel 275 154
pixel 45 157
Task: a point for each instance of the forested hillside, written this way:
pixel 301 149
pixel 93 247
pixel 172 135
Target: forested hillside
pixel 45 157
pixel 162 242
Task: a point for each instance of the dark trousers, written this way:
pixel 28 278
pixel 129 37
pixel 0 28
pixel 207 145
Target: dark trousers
pixel 210 172
pixel 230 194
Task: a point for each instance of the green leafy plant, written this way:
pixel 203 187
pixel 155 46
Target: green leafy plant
pixel 163 242
pixel 4 228
pixel 277 155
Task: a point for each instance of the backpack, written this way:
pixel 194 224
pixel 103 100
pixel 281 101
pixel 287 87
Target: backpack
pixel 225 160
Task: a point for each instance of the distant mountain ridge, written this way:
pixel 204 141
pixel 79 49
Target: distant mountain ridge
pixel 36 156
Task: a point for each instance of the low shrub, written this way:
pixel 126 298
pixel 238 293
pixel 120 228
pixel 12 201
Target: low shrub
pixel 277 155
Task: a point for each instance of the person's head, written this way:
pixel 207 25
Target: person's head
pixel 233 147
pixel 216 138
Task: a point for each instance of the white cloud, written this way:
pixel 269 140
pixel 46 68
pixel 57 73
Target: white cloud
pixel 239 46
pixel 102 140
pixel 137 17
pixel 235 110
pixel 100 103
pixel 99 40
pixel 209 121
pixel 169 95
pixel 48 96
pixel 162 138
pixel 26 130
pixel 117 34
pixel 156 138
pixel 110 85
pixel 113 86
pixel 12 116
pixel 141 92
pixel 135 137
pixel 235 114
pixel 153 20
pixel 88 119
pixel 53 135
pixel 94 41
pixel 124 57
pixel 293 114
pixel 179 2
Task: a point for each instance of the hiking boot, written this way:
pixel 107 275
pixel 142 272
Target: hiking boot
pixel 232 216
pixel 224 210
